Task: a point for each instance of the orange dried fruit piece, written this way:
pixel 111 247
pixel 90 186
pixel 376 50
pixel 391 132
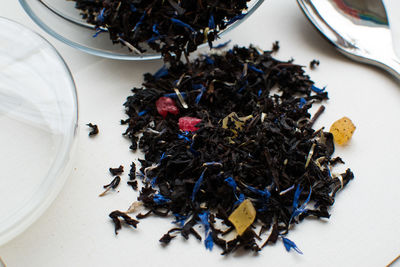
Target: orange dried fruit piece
pixel 342 130
pixel 243 216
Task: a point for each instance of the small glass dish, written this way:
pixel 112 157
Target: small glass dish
pixel 62 20
pixel 38 117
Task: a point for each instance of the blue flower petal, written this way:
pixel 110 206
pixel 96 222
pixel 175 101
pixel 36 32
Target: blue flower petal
pixel 302 102
pixel 197 185
pixel 209 60
pixel 231 182
pixel 289 244
pixel 153 182
pixel 211 22
pixel 98 31
pixel 100 17
pixel 208 242
pixel 161 72
pixel 253 68
pixel 317 90
pixel 182 24
pixel 155 29
pixel 180 219
pixel 235 18
pixel 139 22
pixel 222 45
pixel 240 200
pixel 296 197
pixel 264 193
pixel 143 112
pixel 180 136
pixel 160 199
pixel 204 220
pixel 202 90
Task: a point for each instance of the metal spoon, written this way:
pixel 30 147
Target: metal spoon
pixel 358 28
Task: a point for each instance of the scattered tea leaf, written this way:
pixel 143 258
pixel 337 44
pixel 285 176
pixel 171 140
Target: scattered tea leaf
pixel 117 171
pixel 94 129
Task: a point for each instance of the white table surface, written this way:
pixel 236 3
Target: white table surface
pixel 364 226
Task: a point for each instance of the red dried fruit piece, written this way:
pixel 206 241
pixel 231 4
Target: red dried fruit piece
pixel 166 105
pixel 187 124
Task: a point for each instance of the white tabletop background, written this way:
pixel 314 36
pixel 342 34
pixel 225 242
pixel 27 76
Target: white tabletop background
pixel 364 226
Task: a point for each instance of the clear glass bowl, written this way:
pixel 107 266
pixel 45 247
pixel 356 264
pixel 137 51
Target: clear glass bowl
pixel 38 117
pixel 62 20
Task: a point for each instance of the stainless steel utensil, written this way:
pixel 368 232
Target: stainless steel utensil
pixel 358 28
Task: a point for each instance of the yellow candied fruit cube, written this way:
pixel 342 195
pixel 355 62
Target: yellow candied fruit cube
pixel 243 216
pixel 342 130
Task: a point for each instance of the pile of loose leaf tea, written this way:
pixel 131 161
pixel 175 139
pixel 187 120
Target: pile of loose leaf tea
pixel 229 146
pixel 166 26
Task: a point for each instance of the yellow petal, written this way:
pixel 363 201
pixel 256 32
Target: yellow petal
pixel 238 121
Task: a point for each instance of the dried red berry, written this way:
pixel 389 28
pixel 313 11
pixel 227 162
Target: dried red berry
pixel 187 124
pixel 166 105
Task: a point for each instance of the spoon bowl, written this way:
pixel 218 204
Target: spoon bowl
pixel 358 28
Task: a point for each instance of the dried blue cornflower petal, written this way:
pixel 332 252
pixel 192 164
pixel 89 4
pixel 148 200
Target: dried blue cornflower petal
pixel 253 68
pixel 231 182
pixel 153 182
pixel 302 102
pixel 244 86
pixel 160 199
pixel 296 197
pixel 222 45
pixel 197 185
pixel 264 193
pixel 143 112
pixel 194 152
pixel 209 60
pixel 180 136
pixel 163 71
pixel 204 220
pixel 317 90
pixel 211 22
pixel 259 92
pixel 289 244
pixel 153 39
pixel 182 24
pixel 100 17
pixel 179 219
pixel 155 29
pixel 202 90
pixel 174 95
pixel 98 31
pixel 163 156
pixel 139 22
pixel 209 242
pixel 235 18
pixel 240 199
pixel 299 210
pixel 133 8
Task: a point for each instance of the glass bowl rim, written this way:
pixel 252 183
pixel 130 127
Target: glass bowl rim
pixel 110 55
pixel 57 174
